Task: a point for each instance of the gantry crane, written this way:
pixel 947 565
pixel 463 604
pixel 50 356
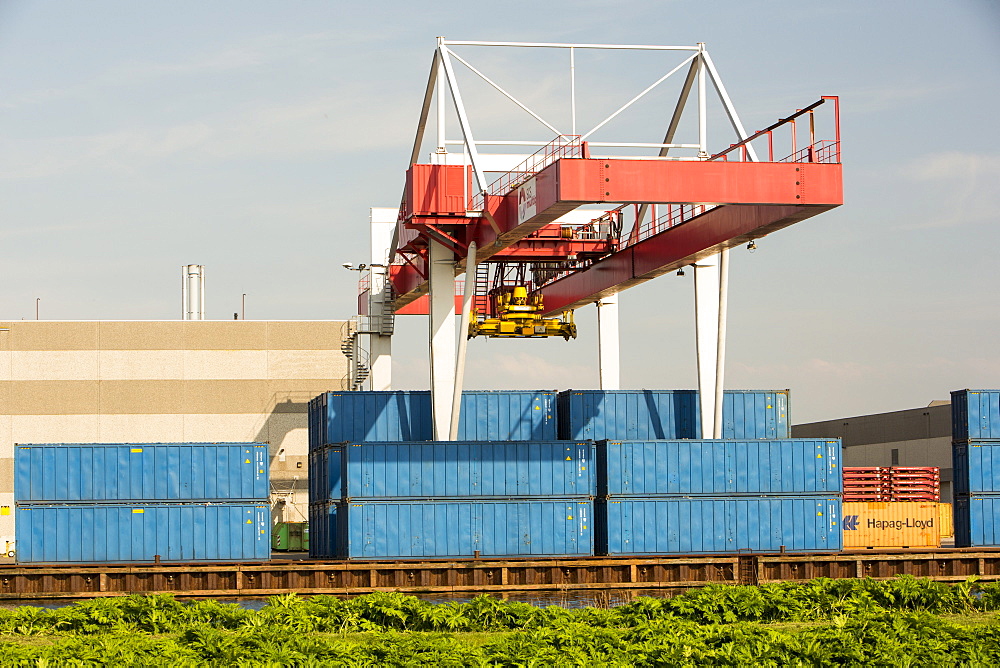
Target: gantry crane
pixel 571 224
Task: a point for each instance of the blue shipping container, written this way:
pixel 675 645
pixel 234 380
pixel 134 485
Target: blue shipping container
pixel 631 526
pixel 336 417
pixel 976 467
pixel 359 417
pixel 457 529
pixel 651 468
pixel 669 414
pixel 111 472
pixel 975 414
pixel 99 532
pixel 977 520
pixel 455 469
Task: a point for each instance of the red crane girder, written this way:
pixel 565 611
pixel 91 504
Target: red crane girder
pixel 755 199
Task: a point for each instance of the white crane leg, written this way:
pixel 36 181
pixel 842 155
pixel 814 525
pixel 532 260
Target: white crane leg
pixel 441 335
pixel 706 315
pixel 609 357
pixel 463 340
pixel 380 356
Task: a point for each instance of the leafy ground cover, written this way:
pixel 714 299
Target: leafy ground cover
pixel 901 622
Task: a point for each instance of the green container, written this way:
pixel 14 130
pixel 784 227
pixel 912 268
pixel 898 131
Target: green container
pixel 290 536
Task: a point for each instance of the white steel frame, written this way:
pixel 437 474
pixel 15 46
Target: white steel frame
pixel 711 275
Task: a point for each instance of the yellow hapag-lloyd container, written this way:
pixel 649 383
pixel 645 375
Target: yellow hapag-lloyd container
pixel 893 524
pixel 946 519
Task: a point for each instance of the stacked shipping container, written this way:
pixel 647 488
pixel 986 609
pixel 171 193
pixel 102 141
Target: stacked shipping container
pixel 507 488
pixel 976 464
pixel 379 489
pixel 669 414
pixel 434 499
pixel 142 502
pixel 690 496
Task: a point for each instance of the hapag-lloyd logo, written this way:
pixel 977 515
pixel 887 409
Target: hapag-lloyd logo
pixel 527 201
pixel 851 523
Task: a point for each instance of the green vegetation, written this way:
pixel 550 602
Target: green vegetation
pixel 901 622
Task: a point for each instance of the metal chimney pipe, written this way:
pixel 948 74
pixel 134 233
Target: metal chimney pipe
pixel 193 292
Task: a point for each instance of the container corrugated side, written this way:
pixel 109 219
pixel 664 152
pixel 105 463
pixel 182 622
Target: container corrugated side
pixel 461 528
pixel 487 415
pixel 104 532
pixel 458 469
pixel 512 415
pixel 977 520
pixel 669 414
pixel 685 525
pixel 339 417
pixel 713 467
pixel 976 467
pixel 892 524
pixel 975 414
pixel 946 520
pixel 110 472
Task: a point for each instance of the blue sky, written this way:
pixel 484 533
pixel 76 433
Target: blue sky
pixel 253 137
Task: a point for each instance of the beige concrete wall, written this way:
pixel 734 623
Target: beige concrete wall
pixel 169 381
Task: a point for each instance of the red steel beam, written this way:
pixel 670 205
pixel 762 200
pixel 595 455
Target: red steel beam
pixel 572 182
pixel 679 246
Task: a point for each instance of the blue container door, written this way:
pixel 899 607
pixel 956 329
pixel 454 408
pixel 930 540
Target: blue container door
pixel 324 539
pixel 977 521
pixel 976 467
pixel 975 414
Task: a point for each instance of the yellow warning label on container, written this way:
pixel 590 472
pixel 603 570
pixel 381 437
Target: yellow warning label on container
pixel 249 521
pixel 4 510
pixel 570 517
pixel 138 511
pixel 538 408
pixel 136 450
pixel 247 461
pixel 569 459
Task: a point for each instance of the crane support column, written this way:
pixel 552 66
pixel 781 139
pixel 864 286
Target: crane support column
pixel 708 300
pixel 441 261
pixel 380 338
pixel 609 356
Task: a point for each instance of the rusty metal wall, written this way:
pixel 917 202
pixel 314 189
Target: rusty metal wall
pixel 487 576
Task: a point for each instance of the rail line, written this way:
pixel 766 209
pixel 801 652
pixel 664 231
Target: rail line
pixel 484 575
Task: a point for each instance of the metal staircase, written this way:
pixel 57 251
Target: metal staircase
pixel 380 321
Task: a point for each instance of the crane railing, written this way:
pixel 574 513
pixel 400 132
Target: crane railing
pixel 563 146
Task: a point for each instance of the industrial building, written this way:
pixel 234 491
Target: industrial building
pixel 913 437
pixel 167 381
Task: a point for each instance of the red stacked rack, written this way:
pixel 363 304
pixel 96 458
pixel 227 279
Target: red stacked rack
pixel 867 483
pixel 915 483
pixel 896 483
